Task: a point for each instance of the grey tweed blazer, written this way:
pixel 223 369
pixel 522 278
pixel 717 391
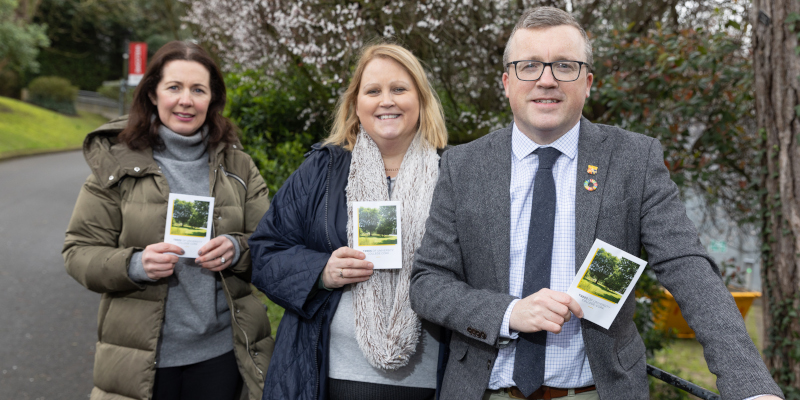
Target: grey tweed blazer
pixel 460 277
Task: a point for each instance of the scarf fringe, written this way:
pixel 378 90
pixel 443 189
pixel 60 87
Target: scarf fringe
pixel 387 330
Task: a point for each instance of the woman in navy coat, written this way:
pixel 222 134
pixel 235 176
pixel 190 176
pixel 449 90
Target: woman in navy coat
pixel 385 144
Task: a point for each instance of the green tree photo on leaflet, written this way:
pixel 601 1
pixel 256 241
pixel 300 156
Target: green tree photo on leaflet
pixel 603 266
pixel 197 220
pixel 182 211
pixel 201 208
pixel 622 276
pixel 20 40
pixel 368 219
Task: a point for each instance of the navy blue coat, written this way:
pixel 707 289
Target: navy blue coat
pixel 306 222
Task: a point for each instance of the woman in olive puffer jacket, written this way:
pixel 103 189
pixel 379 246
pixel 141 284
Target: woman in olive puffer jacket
pixel 169 327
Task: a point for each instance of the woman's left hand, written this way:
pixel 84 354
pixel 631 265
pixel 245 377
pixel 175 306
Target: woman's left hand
pixel 216 255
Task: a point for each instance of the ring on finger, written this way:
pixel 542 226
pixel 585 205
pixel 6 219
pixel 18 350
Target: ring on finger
pixel 340 273
pixel 222 260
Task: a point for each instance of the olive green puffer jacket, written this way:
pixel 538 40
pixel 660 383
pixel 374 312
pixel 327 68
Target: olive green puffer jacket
pixel 121 209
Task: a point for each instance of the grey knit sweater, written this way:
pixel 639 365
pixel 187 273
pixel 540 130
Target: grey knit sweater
pixel 197 322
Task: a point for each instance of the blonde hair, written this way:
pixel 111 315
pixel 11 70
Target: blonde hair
pixel 431 115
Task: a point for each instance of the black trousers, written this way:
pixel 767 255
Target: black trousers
pixel 214 379
pixel 351 390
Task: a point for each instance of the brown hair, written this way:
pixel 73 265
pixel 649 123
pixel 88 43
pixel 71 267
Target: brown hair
pixel 546 17
pixel 431 115
pixel 143 120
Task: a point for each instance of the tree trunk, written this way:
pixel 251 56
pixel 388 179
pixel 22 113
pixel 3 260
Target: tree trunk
pixel 777 68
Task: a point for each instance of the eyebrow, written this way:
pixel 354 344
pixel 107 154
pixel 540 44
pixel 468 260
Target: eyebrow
pixel 558 58
pixel 179 82
pixel 394 82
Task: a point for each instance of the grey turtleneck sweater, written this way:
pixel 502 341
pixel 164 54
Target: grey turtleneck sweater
pixel 197 321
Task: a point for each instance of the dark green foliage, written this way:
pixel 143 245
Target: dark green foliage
pixel 182 212
pixel 368 219
pixel 199 217
pixel 692 90
pixel 10 83
pixel 53 93
pixel 280 117
pixel 603 265
pixel 88 37
pixel 622 276
pixel 388 224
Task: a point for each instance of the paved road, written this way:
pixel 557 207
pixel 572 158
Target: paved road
pixel 48 323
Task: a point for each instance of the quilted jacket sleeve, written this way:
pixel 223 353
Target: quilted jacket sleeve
pixel 91 253
pixel 285 265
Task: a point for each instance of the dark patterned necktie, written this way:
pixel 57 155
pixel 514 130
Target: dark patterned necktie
pixel 529 360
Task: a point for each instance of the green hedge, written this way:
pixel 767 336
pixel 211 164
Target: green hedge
pixel 280 117
pixel 53 93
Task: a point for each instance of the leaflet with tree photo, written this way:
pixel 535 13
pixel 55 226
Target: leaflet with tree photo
pixel 189 222
pixel 376 232
pixel 606 278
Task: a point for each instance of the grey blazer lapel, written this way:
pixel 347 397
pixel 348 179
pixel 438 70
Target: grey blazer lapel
pixel 592 150
pixel 499 184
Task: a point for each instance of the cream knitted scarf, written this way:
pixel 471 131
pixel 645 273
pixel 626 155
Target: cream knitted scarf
pixel 387 330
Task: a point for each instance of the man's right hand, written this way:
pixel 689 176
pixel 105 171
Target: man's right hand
pixel 156 263
pixel 545 310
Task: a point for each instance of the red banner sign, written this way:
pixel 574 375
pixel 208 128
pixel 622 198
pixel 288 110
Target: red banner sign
pixel 137 62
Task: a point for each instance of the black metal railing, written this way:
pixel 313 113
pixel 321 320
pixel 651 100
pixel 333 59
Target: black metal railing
pixel 681 383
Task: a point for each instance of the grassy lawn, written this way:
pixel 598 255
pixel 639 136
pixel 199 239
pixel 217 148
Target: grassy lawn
pixel 598 290
pixel 186 231
pixel 25 128
pixel 685 356
pixel 377 240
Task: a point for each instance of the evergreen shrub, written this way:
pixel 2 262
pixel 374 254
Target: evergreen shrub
pixel 54 93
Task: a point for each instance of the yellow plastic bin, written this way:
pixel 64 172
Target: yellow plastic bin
pixel 669 315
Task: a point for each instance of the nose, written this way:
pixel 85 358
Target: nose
pixel 386 99
pixel 186 99
pixel 547 79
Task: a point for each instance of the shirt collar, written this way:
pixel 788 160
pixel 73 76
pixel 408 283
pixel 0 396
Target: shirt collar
pixel 567 144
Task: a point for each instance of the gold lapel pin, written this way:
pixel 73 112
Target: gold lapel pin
pixel 592 170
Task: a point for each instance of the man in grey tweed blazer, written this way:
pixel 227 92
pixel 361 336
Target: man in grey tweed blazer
pixel 467 270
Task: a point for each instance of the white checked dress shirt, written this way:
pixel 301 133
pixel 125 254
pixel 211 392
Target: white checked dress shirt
pixel 566 365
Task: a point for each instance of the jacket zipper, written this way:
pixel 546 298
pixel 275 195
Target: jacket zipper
pixel 327 195
pixel 233 176
pixel 225 284
pixel 233 314
pixel 330 246
pixel 316 347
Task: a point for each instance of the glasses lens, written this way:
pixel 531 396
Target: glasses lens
pixel 566 70
pixel 529 70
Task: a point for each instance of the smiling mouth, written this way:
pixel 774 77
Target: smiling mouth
pixel 546 101
pixel 184 115
pixel 389 116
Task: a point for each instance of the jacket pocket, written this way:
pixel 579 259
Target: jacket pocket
pixel 631 353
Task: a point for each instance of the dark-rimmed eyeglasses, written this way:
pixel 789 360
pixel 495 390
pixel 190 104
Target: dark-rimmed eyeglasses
pixel 563 71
